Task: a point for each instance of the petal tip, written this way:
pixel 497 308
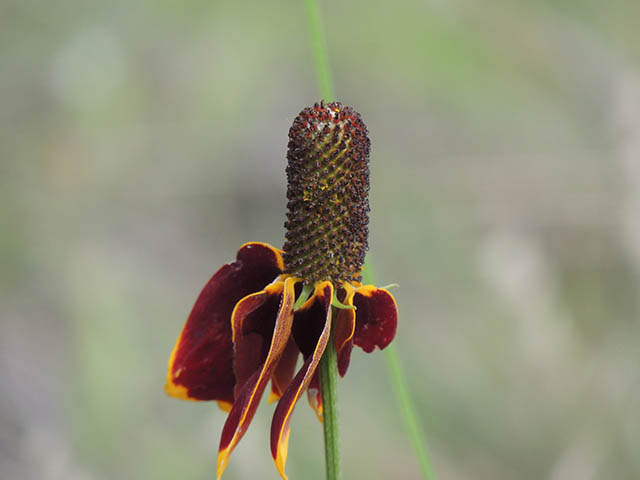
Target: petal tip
pixel 312 396
pixel 223 461
pixel 281 455
pixel 176 391
pixel 273 397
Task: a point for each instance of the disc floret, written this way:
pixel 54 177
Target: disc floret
pixel 328 193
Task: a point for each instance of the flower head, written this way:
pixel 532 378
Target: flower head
pixel 257 315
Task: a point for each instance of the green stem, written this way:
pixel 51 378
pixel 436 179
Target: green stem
pixel 403 398
pixel 319 43
pixel 329 387
pixel 328 363
pixel 328 374
pixel 409 415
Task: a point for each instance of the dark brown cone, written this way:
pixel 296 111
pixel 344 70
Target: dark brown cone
pixel 328 192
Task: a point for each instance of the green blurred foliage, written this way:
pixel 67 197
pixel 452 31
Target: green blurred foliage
pixel 141 143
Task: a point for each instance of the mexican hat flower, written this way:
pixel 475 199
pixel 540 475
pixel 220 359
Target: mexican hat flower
pixel 257 315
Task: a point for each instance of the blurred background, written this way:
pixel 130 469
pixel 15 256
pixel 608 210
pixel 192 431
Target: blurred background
pixel 141 143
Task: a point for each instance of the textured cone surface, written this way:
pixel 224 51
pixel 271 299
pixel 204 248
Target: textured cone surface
pixel 328 193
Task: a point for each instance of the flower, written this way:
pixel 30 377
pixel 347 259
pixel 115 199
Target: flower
pixel 256 315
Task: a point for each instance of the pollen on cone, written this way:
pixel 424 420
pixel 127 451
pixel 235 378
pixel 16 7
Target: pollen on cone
pixel 328 193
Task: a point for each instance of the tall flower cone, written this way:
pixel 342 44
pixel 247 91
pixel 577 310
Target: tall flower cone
pixel 257 315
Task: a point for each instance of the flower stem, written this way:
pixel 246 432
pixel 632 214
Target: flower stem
pixel 411 422
pixel 403 398
pixel 329 387
pixel 328 367
pixel 319 43
pixel 329 361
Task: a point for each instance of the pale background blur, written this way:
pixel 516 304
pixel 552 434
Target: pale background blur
pixel 141 143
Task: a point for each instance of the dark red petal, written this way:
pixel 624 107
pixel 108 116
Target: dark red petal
pixel 201 364
pixel 309 320
pixel 249 394
pixel 284 371
pixel 376 318
pixel 343 330
pixel 315 319
pixel 344 358
pixel 252 323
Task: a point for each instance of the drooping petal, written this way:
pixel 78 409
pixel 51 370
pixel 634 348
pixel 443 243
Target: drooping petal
pixel 343 330
pixel 376 318
pixel 284 371
pixel 252 324
pixel 249 395
pixel 310 319
pixel 312 325
pixel 344 358
pixel 201 363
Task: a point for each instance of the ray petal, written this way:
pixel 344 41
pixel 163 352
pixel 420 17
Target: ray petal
pixel 343 330
pixel 248 396
pixel 201 363
pixel 284 371
pixel 312 326
pixel 252 324
pixel 376 318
